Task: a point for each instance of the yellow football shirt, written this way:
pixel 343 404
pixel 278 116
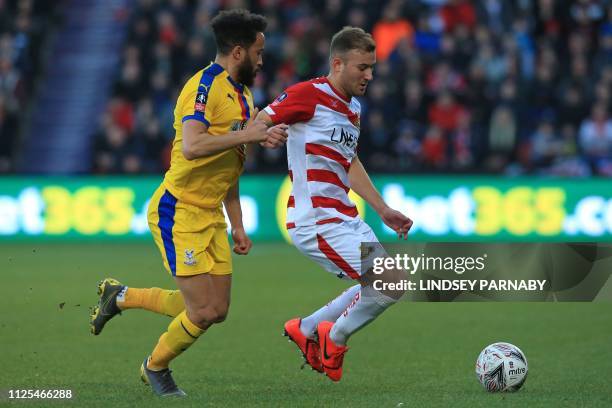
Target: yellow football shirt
pixel 213 98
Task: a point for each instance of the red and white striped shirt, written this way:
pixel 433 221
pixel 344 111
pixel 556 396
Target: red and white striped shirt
pixel 323 136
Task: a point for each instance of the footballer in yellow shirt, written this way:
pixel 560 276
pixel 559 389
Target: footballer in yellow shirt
pixel 214 119
pixel 193 240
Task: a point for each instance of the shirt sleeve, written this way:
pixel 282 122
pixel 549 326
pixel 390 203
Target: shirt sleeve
pixel 296 104
pixel 199 103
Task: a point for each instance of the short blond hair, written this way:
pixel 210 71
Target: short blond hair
pixel 351 38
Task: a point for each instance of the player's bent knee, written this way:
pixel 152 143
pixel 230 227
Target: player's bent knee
pixel 203 317
pixel 221 316
pixel 221 310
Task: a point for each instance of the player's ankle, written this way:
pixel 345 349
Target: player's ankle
pixel 307 328
pixel 153 367
pixel 337 337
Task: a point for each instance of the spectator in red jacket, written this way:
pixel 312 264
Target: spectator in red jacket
pixel 458 12
pixel 445 112
pixel 434 148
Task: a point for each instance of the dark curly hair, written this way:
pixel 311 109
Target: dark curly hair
pixel 236 27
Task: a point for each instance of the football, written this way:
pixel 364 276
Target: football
pixel 501 367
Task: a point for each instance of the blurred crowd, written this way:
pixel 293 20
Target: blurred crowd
pixel 23 26
pixel 488 86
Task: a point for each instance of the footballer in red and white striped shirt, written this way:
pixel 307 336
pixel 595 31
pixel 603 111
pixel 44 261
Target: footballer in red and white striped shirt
pixel 323 118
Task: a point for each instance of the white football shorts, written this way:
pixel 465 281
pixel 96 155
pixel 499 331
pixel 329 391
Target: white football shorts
pixel 337 246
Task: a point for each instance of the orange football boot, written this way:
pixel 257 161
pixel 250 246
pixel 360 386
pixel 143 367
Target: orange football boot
pixel 332 354
pixel 309 347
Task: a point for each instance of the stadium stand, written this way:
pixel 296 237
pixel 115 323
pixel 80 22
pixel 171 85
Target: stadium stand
pixel 24 27
pixel 491 86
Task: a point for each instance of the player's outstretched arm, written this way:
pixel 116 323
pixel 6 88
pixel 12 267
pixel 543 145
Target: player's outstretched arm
pixel 242 243
pixel 197 142
pixel 362 185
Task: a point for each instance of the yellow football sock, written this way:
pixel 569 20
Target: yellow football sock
pixel 167 302
pixel 181 334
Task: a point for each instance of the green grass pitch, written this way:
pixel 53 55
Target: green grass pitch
pixel 415 355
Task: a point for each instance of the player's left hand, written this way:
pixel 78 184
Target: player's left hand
pixel 397 221
pixel 242 243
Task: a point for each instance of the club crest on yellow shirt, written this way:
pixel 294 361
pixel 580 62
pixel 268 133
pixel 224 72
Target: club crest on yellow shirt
pixel 189 259
pixel 240 125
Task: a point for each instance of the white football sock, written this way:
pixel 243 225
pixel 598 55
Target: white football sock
pixel 329 312
pixel 366 308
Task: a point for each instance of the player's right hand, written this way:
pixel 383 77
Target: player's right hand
pixel 256 128
pixel 277 136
